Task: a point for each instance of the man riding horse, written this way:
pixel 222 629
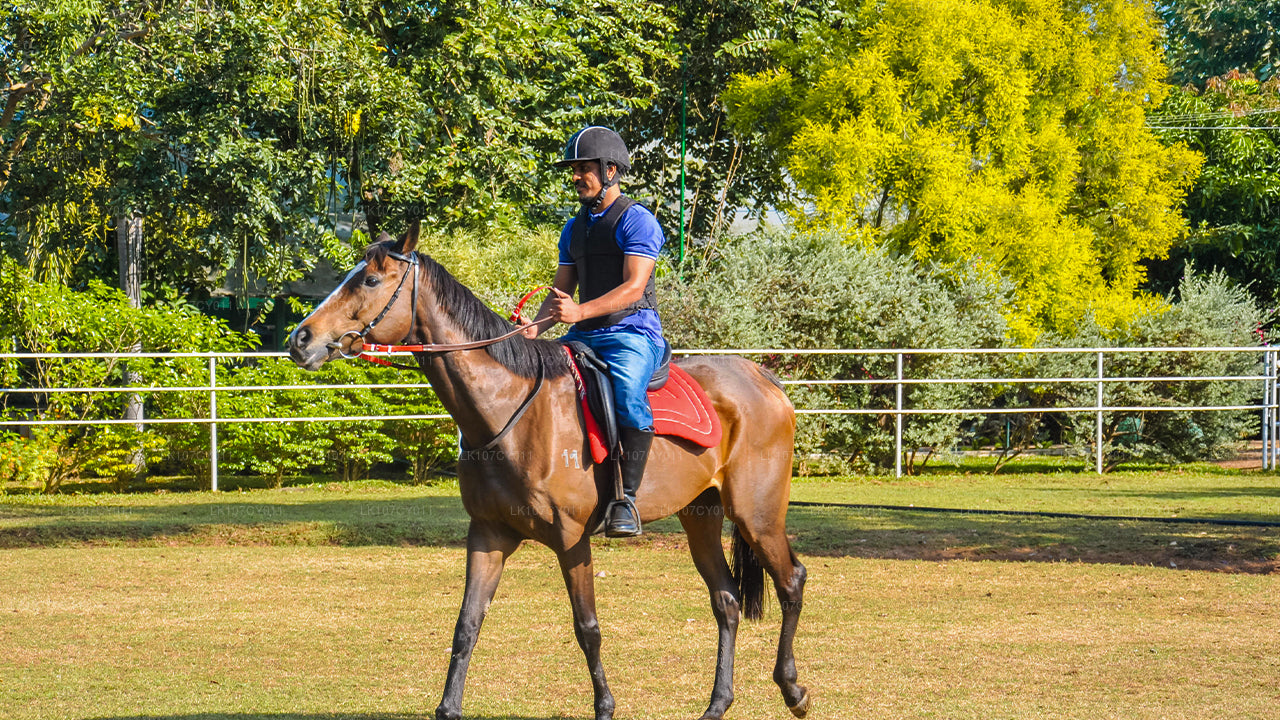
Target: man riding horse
pixel 608 253
pixel 512 481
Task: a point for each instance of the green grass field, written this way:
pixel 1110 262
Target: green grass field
pixel 338 601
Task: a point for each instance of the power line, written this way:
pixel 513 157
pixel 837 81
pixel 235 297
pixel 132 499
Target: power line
pixel 1213 127
pixel 1220 115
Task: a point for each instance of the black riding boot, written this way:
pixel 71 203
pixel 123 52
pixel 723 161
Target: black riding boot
pixel 624 518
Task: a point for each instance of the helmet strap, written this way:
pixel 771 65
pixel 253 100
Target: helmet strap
pixel 605 183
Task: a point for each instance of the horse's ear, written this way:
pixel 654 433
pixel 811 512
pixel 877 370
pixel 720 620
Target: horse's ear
pixel 410 242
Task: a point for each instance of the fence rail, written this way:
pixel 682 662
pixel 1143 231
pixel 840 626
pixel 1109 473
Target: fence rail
pixel 1267 382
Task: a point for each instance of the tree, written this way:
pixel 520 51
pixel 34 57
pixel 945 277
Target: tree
pixel 212 123
pixel 234 131
pixel 503 85
pixel 1208 38
pixel 726 176
pixel 1234 207
pixel 1003 136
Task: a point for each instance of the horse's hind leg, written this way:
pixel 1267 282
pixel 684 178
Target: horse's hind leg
pixel 791 598
pixel 762 526
pixel 702 521
pixel 575 566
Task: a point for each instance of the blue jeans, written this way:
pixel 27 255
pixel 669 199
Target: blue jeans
pixel 632 358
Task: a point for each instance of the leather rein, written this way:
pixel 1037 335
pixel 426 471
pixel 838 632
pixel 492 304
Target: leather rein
pixel 412 266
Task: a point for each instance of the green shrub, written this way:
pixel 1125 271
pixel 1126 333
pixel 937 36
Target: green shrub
pixel 49 318
pixel 273 450
pixel 1210 310
pixel 27 460
pixel 499 265
pixel 348 449
pixel 816 291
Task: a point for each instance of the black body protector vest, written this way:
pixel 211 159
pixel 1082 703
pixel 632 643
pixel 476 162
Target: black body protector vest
pixel 599 262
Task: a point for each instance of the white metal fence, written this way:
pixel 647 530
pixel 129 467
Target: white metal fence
pixel 1265 385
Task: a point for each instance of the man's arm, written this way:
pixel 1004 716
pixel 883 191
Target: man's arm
pixel 560 306
pixel 636 270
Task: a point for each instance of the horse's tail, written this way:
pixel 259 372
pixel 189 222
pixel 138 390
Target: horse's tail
pixel 748 575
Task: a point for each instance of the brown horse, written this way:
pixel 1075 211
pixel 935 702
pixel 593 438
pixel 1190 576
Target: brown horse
pixel 537 481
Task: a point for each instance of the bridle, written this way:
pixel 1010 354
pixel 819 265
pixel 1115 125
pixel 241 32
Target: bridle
pixel 412 267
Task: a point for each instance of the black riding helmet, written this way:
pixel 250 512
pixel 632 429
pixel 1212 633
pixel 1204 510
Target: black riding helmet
pixel 602 145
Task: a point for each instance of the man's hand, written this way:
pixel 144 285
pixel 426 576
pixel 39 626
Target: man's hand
pixel 530 328
pixel 562 308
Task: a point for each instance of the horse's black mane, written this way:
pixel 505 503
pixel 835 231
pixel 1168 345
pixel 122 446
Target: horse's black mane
pixel 518 354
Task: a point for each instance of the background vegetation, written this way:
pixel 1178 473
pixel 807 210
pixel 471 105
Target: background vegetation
pixel 976 173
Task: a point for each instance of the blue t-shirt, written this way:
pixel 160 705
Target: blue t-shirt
pixel 638 233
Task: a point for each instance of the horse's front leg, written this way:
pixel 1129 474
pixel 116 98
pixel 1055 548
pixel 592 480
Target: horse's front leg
pixel 575 565
pixel 488 546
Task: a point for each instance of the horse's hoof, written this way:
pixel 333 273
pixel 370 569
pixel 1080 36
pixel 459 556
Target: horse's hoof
pixel 443 714
pixel 801 708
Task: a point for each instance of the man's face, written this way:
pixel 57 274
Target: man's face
pixel 586 179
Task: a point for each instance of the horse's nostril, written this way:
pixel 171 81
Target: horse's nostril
pixel 302 337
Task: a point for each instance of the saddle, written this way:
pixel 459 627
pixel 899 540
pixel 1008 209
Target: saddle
pixel 680 407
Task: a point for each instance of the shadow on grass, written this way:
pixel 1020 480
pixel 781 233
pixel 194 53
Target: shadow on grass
pixel 226 483
pixel 344 522
pixel 313 716
pixel 906 535
pixel 818 531
pixel 1199 493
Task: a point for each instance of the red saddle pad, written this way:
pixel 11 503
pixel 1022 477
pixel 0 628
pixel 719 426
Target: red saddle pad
pixel 680 408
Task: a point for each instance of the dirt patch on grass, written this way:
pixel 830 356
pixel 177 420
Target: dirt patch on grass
pixel 1248 458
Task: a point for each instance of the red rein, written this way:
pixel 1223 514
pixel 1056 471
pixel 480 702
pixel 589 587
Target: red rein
pixel 515 317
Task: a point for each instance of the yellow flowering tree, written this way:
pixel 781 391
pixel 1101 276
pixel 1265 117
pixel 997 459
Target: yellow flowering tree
pixel 1005 136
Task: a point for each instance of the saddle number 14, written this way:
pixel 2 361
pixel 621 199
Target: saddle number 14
pixel 571 456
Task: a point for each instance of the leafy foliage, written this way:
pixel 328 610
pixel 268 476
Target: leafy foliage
pixel 501 86
pixel 1210 311
pixel 270 449
pixel 816 290
pixel 239 131
pixel 48 318
pixel 727 176
pixel 1006 136
pixel 499 265
pixel 1234 207
pixel 1208 38
pixel 45 317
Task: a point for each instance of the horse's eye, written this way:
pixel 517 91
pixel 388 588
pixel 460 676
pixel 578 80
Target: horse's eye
pixel 371 281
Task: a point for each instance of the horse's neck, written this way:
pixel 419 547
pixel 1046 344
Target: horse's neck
pixel 476 390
